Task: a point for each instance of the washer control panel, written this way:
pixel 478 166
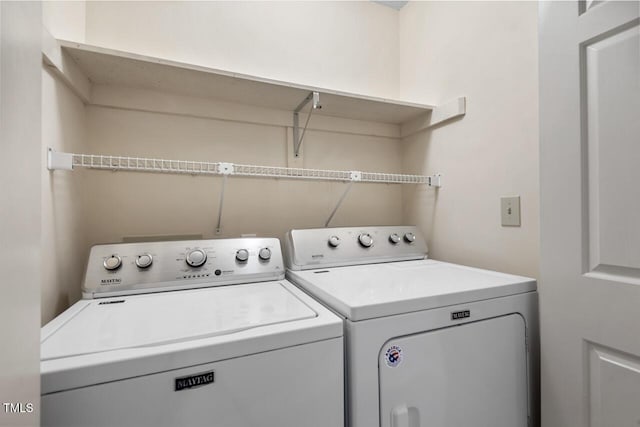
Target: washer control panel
pixel 130 268
pixel 332 247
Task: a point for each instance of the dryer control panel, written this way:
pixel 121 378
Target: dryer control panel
pixel 334 247
pixel 133 268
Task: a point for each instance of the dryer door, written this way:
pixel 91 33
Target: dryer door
pixel 474 374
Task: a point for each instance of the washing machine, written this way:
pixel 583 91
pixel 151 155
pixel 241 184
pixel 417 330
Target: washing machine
pixel 192 333
pixel 427 343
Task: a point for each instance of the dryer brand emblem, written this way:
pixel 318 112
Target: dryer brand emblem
pixel 118 301
pixel 457 315
pixel 116 281
pixel 393 356
pixel 194 381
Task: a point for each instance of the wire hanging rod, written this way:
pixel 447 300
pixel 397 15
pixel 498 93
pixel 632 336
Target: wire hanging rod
pixel 69 161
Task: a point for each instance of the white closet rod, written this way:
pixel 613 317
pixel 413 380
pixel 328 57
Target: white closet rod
pixel 69 161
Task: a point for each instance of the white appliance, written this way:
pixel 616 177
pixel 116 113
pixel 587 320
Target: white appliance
pixel 158 341
pixel 427 343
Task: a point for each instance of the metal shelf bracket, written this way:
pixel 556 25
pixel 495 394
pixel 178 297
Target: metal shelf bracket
pixel 224 169
pixel 313 97
pixel 354 177
pixel 221 203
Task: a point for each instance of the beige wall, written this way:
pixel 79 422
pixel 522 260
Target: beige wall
pixel 347 45
pixel 20 251
pixel 89 207
pixel 63 211
pixel 427 52
pixel 63 218
pixel 129 204
pixel 486 51
pixel 65 20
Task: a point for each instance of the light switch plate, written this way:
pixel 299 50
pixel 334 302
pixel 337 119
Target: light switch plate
pixel 510 211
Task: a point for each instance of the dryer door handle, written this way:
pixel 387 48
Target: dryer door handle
pixel 405 416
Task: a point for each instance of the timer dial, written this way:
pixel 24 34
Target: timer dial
pixel 264 254
pixel 365 240
pixel 242 255
pixel 144 261
pixel 196 258
pixel 112 263
pixel 409 237
pixel 334 241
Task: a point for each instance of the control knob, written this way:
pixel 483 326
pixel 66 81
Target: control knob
pixel 264 254
pixel 144 261
pixel 409 237
pixel 112 263
pixel 394 238
pixel 196 258
pixel 365 240
pixel 242 255
pixel 334 241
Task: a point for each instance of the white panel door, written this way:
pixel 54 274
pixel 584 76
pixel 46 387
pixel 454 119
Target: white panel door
pixel 469 375
pixel 590 213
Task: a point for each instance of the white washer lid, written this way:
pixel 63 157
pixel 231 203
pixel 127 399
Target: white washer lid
pixel 376 290
pixel 153 319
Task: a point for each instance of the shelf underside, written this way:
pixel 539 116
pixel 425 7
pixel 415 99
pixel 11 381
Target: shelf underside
pixel 110 67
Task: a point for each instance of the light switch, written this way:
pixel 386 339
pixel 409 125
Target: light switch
pixel 510 211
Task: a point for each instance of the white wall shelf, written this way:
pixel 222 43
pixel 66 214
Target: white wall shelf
pixel 103 66
pixel 86 67
pixel 69 161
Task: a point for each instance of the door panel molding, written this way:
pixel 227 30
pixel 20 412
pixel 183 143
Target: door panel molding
pixel 586 5
pixel 609 125
pixel 610 15
pixel 614 386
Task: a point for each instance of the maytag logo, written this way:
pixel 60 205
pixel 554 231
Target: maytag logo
pixel 317 256
pixel 110 281
pixel 457 315
pixel 194 381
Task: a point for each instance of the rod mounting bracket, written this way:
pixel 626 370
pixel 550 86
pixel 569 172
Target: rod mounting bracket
pixel 434 180
pixel 59 161
pixel 355 175
pixel 225 168
pixel 314 98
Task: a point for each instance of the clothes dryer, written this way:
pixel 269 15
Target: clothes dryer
pixel 428 343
